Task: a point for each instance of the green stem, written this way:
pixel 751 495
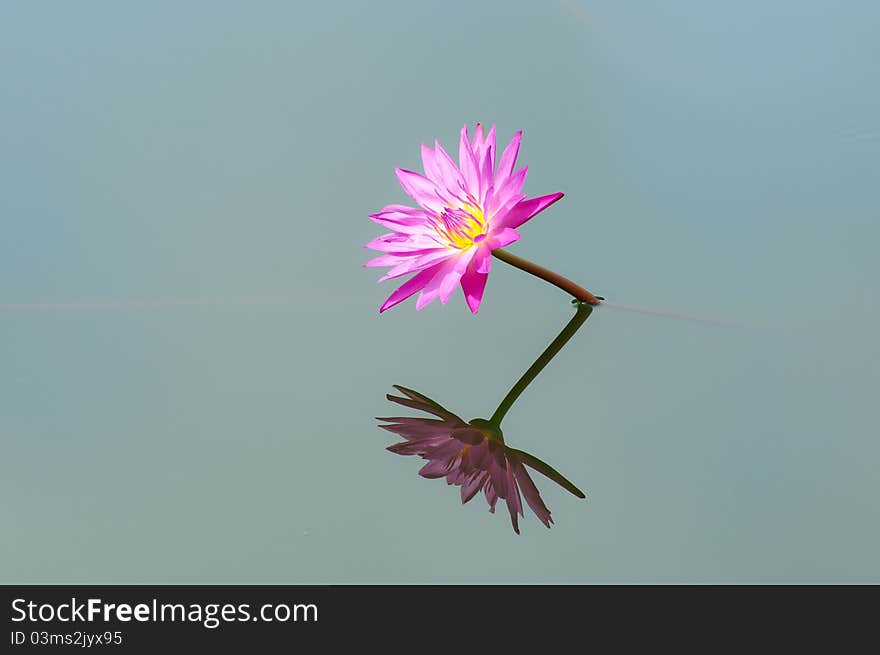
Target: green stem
pixel 584 309
pixel 547 275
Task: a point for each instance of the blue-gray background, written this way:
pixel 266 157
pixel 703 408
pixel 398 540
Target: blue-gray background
pixel 190 350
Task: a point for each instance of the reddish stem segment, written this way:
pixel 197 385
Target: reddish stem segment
pixel 547 275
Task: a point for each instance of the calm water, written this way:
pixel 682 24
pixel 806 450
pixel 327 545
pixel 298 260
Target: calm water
pixel 191 349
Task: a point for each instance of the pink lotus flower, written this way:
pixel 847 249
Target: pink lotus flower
pixel 471 455
pixel 466 212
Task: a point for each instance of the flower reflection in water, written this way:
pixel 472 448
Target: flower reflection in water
pixel 472 455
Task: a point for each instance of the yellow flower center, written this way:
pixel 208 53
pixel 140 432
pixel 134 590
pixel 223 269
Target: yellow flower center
pixel 462 228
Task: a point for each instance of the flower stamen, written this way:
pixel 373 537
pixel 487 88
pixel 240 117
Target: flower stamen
pixel 461 228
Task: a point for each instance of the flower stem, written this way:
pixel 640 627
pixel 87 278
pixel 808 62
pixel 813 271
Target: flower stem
pixel 546 274
pixel 584 309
